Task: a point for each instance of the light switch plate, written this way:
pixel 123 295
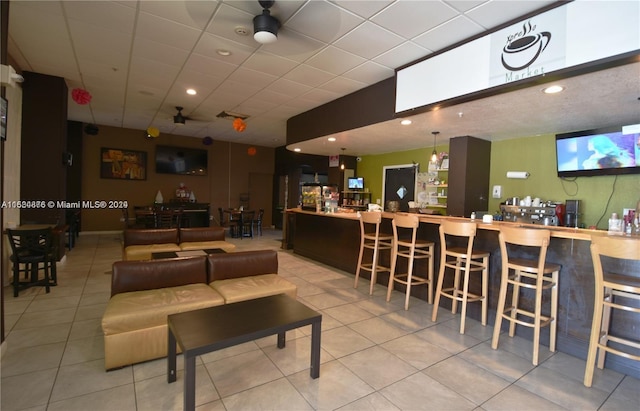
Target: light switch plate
pixel 497 191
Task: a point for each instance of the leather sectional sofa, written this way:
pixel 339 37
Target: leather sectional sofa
pixel 144 293
pixel 139 244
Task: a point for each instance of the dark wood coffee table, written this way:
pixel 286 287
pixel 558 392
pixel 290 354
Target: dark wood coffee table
pixel 209 329
pixel 174 254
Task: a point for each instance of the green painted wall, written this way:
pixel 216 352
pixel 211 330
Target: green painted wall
pixel 599 196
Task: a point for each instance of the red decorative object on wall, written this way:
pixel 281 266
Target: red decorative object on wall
pixel 252 151
pixel 81 96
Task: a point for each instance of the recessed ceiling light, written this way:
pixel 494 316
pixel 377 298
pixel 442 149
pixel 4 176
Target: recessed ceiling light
pixel 331 139
pixel 297 149
pixel 552 89
pixel 191 92
pixel 406 122
pixel 223 52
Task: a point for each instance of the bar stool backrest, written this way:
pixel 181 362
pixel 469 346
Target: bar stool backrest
pixel 402 223
pixel 527 237
pixel 620 248
pixel 466 229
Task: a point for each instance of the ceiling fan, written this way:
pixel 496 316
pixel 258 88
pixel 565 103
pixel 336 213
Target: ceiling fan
pixel 265 26
pixel 180 119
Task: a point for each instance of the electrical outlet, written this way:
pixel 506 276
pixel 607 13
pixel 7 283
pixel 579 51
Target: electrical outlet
pixel 497 191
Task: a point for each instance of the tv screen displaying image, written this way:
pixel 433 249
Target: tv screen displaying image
pixel 181 160
pixel 355 183
pixel 598 152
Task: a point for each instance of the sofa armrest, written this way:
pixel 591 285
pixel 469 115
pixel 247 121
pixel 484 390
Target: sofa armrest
pixel 147 275
pixel 242 264
pixel 200 234
pixel 144 236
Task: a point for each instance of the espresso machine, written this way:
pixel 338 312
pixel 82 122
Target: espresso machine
pixel 544 214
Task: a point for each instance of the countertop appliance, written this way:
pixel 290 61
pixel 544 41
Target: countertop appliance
pixel 545 214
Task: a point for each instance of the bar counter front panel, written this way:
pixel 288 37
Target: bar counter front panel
pixel 334 239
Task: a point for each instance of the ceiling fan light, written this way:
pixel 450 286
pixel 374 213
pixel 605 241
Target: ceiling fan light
pixel 179 120
pixel 265 28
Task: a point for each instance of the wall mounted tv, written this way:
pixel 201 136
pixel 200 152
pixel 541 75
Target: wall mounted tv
pixel 181 160
pixel 598 152
pixel 355 183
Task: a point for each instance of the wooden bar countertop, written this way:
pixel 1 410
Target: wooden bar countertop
pixel 556 231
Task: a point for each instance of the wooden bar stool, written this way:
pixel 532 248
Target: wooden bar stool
pixel 459 257
pixel 534 274
pixel 371 239
pixel 614 290
pixel 406 245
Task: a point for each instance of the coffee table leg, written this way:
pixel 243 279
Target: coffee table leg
pixel 171 358
pixel 315 349
pixel 189 382
pixel 281 340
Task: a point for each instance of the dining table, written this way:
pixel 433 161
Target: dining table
pixel 235 220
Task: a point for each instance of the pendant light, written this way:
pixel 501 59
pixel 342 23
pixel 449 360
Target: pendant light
pixel 342 162
pixel 434 154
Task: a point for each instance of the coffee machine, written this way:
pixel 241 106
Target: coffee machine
pixel 544 214
pixel 572 213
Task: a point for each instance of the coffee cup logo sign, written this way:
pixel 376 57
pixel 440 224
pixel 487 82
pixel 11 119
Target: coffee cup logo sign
pixel 524 47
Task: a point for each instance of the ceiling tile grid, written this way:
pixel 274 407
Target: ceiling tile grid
pixel 137 58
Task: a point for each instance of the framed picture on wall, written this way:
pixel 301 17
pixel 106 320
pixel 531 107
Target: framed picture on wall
pixel 3 118
pixel 123 164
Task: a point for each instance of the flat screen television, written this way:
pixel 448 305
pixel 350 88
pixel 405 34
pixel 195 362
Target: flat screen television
pixel 181 160
pixel 597 152
pixel 355 183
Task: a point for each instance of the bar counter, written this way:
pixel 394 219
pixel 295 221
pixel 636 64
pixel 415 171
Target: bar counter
pixel 334 239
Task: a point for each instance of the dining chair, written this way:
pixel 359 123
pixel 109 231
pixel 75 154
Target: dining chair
pixel 30 249
pixel 165 219
pixel 257 222
pixel 246 223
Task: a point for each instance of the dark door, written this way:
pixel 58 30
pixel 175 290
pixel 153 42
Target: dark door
pixel 400 185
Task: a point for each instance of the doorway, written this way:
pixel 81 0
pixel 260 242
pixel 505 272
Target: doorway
pixel 399 184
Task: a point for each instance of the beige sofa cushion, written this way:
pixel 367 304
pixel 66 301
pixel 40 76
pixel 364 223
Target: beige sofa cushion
pixel 207 245
pixel 256 286
pixel 143 252
pixel 149 308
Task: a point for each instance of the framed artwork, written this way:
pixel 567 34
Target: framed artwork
pixel 3 118
pixel 123 164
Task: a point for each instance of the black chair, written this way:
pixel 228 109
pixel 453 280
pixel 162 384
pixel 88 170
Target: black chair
pixel 246 223
pixel 165 219
pixel 30 249
pixel 73 221
pixel 257 223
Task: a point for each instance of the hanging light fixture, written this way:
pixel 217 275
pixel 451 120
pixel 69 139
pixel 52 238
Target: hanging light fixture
pixel 342 162
pixel 434 154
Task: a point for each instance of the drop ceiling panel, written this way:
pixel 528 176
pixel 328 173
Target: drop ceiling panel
pixel 335 60
pixel 269 63
pixel 402 54
pixel 492 13
pixel 369 72
pixel 108 15
pixel 410 18
pixel 308 75
pixel 335 21
pixel 364 9
pixel 190 13
pixel 451 32
pixel 167 32
pixel 162 53
pixel 358 41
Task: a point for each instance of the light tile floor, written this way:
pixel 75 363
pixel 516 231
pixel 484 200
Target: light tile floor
pixel 375 355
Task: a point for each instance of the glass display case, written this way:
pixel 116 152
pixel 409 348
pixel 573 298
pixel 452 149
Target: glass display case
pixel 330 197
pixel 311 196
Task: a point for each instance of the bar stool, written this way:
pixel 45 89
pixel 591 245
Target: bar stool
pixel 461 258
pixel 406 245
pixel 621 255
pixel 371 239
pixel 534 274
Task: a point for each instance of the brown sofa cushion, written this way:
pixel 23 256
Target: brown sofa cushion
pixel 145 236
pixel 201 234
pixel 242 264
pixel 144 275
